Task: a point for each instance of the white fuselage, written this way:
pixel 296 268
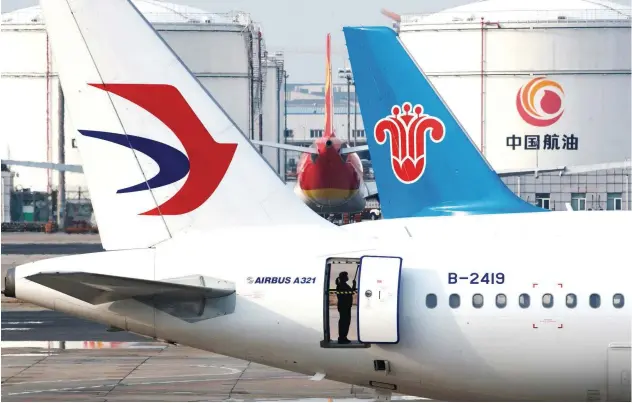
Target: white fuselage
pixel 489 353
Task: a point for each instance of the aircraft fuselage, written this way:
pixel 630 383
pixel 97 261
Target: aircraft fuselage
pixel 329 182
pixel 464 353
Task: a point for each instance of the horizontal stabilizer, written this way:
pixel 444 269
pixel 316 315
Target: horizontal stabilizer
pixel 100 288
pixel 356 149
pixel 45 165
pixel 288 147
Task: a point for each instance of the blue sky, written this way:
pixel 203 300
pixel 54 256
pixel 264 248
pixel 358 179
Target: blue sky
pixel 298 27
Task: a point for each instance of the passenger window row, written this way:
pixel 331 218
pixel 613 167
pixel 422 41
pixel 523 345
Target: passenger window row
pixel 524 300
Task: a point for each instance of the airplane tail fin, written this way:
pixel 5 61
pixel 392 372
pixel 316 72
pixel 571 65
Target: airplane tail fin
pixel 160 155
pixel 329 96
pixel 425 163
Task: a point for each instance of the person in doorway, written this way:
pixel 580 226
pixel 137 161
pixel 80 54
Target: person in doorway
pixel 345 302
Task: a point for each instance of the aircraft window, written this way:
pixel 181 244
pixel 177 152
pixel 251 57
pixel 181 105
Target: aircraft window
pixel 618 300
pixel 595 300
pixel 477 300
pixel 431 301
pixel 571 300
pixel 524 300
pixel 547 300
pixel 455 301
pixel 501 300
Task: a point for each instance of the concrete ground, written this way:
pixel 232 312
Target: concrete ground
pixel 152 372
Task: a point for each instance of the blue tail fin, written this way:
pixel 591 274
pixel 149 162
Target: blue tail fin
pixel 424 162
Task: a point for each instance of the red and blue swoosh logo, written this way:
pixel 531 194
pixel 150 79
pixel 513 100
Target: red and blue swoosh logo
pixel 206 161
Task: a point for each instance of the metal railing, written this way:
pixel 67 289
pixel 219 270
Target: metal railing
pixel 318 110
pixel 509 16
pixel 176 15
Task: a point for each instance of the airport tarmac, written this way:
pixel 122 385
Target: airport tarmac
pixel 151 371
pixel 50 356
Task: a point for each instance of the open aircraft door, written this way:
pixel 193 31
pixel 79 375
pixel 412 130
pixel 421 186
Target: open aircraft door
pixel 378 299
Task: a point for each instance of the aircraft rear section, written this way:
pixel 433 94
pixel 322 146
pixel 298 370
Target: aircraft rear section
pixel 96 286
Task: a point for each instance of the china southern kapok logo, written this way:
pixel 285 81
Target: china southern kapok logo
pixel 407 127
pixel 540 102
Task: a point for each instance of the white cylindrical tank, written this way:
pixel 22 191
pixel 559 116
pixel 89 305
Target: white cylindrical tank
pixel 221 50
pixel 539 83
pixel 7 188
pixel 273 128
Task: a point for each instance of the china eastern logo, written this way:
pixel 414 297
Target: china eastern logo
pixel 540 102
pixel 206 161
pixel 407 127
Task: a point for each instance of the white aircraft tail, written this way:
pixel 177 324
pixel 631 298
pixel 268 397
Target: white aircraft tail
pixel 160 155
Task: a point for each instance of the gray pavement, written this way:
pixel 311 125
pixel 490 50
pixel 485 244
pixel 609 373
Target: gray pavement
pixel 43 238
pixel 44 325
pixel 154 372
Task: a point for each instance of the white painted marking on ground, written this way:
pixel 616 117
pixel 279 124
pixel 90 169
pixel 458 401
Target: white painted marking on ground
pixel 233 372
pixel 16 329
pixel 319 376
pixel 206 379
pixel 79 345
pixel 28 322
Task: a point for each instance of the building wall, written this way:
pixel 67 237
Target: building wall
pixel 596 187
pixel 302 124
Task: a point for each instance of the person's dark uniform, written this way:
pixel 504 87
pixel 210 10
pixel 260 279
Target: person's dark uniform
pixel 345 302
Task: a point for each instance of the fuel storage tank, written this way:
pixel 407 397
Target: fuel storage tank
pixel 538 83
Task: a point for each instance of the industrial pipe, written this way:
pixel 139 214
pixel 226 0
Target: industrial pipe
pixel 483 24
pixel 48 125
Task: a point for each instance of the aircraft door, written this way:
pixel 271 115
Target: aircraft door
pixel 619 367
pixel 378 299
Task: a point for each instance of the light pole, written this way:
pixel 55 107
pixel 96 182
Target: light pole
pixel 347 75
pixel 285 130
pixel 355 115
